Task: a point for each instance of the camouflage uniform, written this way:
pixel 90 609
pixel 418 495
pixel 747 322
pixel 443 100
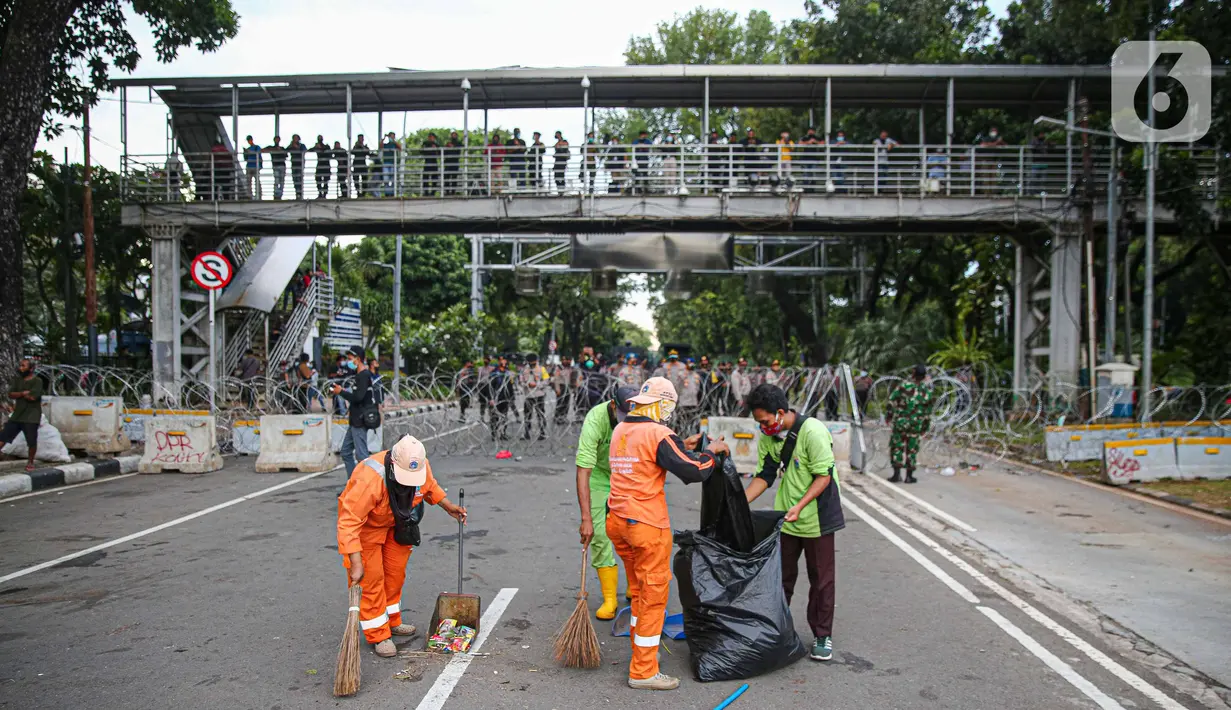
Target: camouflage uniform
pixel 910 408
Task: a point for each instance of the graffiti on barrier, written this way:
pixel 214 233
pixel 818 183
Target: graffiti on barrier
pixel 176 447
pixel 1121 468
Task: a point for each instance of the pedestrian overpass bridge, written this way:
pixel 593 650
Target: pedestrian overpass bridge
pixel 920 184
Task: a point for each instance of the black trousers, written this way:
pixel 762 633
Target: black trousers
pixel 819 558
pixel 533 408
pixel 562 402
pixel 12 429
pixel 500 419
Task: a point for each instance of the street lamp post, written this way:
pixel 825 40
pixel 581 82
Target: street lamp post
pixel 396 268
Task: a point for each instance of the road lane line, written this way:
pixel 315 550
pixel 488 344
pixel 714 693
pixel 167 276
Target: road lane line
pixel 914 554
pixel 952 520
pixel 61 489
pixel 452 673
pixel 157 528
pixel 1052 661
pixel 1103 660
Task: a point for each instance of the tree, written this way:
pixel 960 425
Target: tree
pixel 55 56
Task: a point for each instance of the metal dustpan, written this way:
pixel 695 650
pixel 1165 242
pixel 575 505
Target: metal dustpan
pixel 465 608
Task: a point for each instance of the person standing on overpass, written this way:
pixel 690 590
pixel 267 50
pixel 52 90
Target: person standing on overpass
pixel 643 449
pixel 801 449
pixel 593 487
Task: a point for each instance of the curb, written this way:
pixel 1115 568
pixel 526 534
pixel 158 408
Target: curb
pixel 15 484
pixel 1162 500
pixel 1178 500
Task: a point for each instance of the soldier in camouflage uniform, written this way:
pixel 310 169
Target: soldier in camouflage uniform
pixel 909 410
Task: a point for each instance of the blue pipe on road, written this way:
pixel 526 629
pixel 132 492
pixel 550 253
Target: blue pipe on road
pixel 732 697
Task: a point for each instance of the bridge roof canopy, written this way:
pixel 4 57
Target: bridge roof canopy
pixel 1037 88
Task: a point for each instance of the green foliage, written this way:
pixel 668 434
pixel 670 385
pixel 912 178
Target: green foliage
pixel 894 342
pixel 959 350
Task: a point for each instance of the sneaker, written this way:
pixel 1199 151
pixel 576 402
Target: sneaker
pixel 657 682
pixel 822 649
pixel 386 649
pixel 404 630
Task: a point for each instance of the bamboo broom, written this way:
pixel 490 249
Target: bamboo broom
pixel 346 676
pixel 576 642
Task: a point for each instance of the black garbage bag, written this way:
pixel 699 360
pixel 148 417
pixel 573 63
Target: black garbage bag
pixel 736 618
pixel 725 517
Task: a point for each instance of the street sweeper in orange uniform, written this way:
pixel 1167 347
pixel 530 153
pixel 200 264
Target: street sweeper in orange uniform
pixel 378 527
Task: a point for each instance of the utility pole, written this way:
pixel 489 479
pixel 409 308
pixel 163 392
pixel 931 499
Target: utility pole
pixel 70 291
pixel 87 208
pixel 1087 177
pixel 1147 304
pixel 397 321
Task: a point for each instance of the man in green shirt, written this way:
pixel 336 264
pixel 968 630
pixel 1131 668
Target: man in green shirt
pixel 593 487
pixel 26 391
pixel 809 494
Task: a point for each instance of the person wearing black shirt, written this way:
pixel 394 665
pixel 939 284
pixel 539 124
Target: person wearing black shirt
pixel 297 150
pixel 537 150
pixel 323 155
pixel 752 157
pixel 359 166
pixel 361 400
pixel 452 154
pixel 811 158
pixel 431 165
pixel 562 155
pixel 500 398
pixel 515 149
pixel 277 159
pixel 339 156
pixel 617 163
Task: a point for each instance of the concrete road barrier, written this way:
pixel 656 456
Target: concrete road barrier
pixel 246 436
pixel 1142 460
pixel 1084 442
pixel 90 424
pixel 295 442
pixel 1204 457
pixel 134 420
pixel 740 434
pixel 184 443
pixel 841 433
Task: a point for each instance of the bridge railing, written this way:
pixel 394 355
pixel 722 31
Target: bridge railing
pixel 639 169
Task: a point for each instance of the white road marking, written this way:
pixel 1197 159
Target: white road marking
pixel 921 503
pixel 452 673
pixel 169 524
pixel 1102 659
pixel 1052 661
pixel 452 431
pixel 61 489
pixel 915 555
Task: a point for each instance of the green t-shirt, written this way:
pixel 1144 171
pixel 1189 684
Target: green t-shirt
pixel 24 410
pixel 813 457
pixel 594 446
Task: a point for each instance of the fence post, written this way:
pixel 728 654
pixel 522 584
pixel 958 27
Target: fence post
pixel 974 170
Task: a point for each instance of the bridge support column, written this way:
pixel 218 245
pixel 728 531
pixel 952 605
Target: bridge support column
pixel 1064 361
pixel 1025 275
pixel 165 312
pixel 476 274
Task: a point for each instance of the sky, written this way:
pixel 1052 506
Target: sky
pixel 324 36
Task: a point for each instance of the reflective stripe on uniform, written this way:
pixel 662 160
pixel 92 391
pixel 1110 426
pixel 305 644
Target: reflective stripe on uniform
pixel 646 641
pixel 374 467
pixel 395 608
pixel 633 622
pixel 374 623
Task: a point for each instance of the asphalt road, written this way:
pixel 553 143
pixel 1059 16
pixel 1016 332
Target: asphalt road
pixel 243 606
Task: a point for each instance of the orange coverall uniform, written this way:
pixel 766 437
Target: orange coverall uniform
pixel 365 525
pixel 642 451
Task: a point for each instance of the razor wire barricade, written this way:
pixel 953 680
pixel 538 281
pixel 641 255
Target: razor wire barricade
pixel 470 413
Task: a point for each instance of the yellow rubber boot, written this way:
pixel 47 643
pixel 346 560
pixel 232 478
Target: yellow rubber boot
pixel 609 579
